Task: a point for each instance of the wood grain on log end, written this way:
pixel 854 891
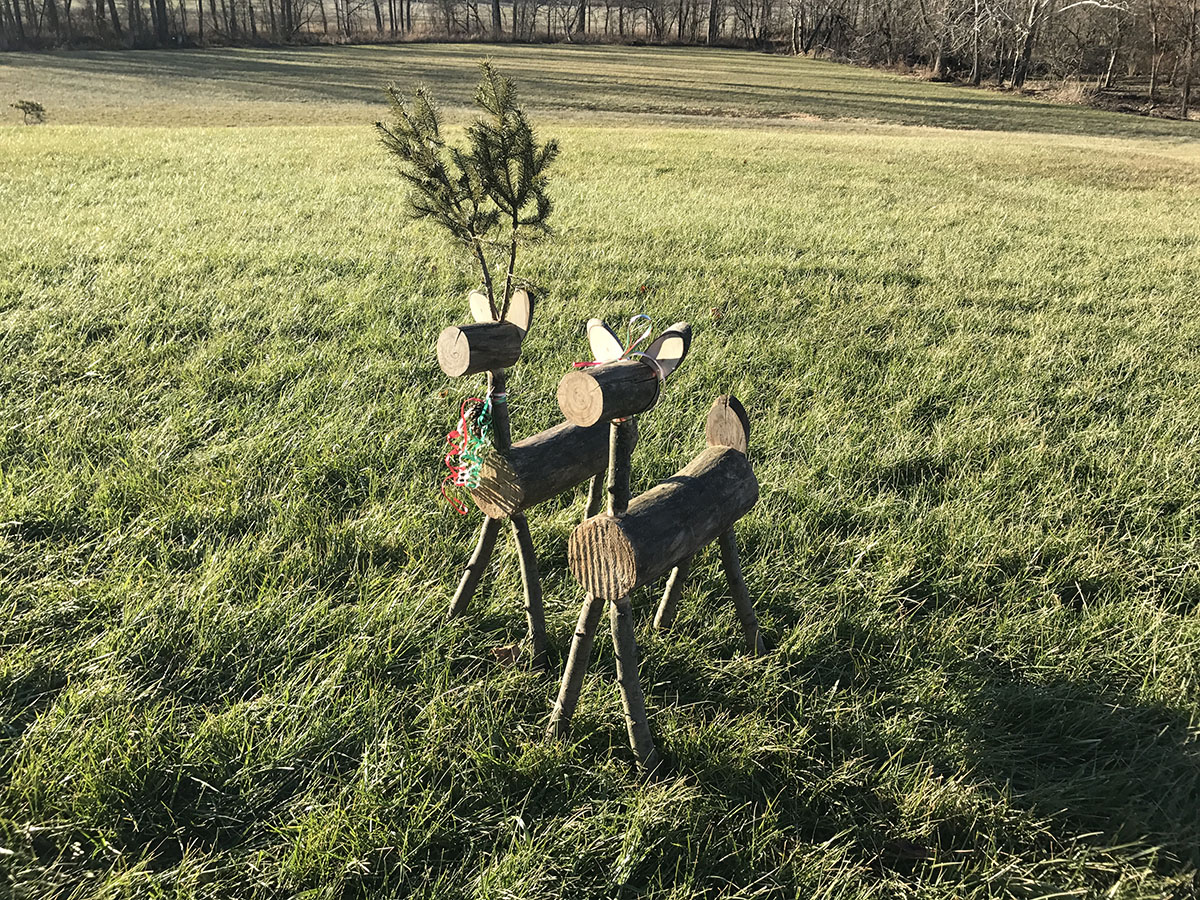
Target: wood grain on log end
pixel 602 557
pixel 728 425
pixel 481 347
pixel 615 390
pixel 500 492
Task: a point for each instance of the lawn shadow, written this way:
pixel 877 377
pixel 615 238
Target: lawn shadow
pixel 1100 762
pixel 1099 768
pixel 660 81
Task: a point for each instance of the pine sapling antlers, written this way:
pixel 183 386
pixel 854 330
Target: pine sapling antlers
pixel 491 195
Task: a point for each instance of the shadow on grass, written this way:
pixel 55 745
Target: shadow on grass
pixel 1094 767
pixel 625 79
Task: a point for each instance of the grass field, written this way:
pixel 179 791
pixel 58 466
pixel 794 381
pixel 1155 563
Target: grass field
pixel 341 85
pixel 971 358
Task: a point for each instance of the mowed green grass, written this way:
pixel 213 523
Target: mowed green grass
pixel 324 85
pixel 971 362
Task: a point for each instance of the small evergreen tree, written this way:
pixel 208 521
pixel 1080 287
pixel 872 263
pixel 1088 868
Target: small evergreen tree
pixel 491 194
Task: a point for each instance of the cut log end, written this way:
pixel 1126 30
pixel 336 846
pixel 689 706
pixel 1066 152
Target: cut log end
pixel 728 425
pixel 602 558
pixel 580 399
pixel 481 347
pixel 500 492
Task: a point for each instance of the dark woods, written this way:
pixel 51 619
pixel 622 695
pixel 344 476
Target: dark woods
pixel 1143 47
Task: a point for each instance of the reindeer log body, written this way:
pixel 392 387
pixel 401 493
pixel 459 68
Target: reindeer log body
pixel 636 542
pixel 611 556
pixel 541 467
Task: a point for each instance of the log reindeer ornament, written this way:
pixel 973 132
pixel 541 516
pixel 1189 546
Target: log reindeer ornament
pixel 620 385
pixel 514 477
pixel 490 195
pixel 635 543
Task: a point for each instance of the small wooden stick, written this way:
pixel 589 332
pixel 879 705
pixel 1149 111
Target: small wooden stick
pixel 622 436
pixel 577 663
pixel 595 500
pixel 501 432
pixel 474 570
pixel 665 617
pixel 535 612
pixel 632 698
pixel 741 596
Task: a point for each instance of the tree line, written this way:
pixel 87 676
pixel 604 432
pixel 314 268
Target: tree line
pixel 1145 47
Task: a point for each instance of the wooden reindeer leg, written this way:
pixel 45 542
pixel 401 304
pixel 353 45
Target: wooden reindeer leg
pixel 474 570
pixel 576 668
pixel 632 698
pixel 665 617
pixel 535 612
pixel 595 500
pixel 741 596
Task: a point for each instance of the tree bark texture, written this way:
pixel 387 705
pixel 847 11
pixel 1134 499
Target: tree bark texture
pixel 478 347
pixel 540 467
pixel 614 390
pixel 576 668
pixel 632 699
pixel 612 556
pixel 535 611
pixel 731 560
pixel 664 618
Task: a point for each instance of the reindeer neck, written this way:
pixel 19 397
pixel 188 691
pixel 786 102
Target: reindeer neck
pixel 497 388
pixel 622 434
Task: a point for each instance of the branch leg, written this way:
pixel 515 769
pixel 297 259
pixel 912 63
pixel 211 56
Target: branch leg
pixel 474 570
pixel 576 668
pixel 741 596
pixel 665 617
pixel 632 698
pixel 535 611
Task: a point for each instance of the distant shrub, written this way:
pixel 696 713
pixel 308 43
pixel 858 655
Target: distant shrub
pixel 33 111
pixel 1071 90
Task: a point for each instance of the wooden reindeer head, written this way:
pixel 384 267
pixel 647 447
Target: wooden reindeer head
pixel 486 345
pixel 623 381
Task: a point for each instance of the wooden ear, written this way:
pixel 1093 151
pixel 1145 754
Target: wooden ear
pixel 606 346
pixel 520 309
pixel 481 309
pixel 670 347
pixel 728 425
